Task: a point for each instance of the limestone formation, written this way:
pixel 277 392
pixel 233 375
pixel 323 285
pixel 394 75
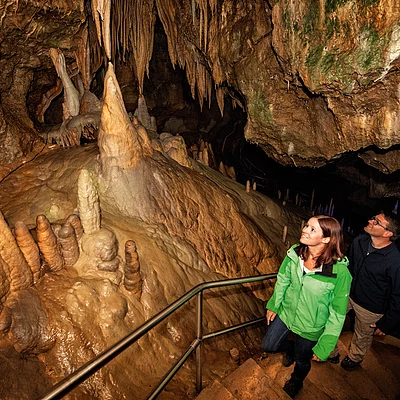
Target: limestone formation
pixel 68 244
pixel 142 114
pixel 222 168
pixel 143 197
pixel 231 172
pixel 71 95
pixel 48 246
pixel 132 278
pixel 15 266
pixel 88 203
pixel 75 222
pixel 29 249
pixel 175 147
pixel 102 249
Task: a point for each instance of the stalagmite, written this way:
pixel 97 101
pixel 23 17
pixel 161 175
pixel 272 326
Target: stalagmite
pixel 202 146
pixel 222 169
pixel 132 278
pixel 211 157
pixel 4 288
pixel 47 242
pixel 144 139
pixel 118 139
pixel 69 244
pixel 194 151
pixel 75 222
pixel 142 114
pixel 231 172
pixel 254 185
pixel 284 234
pixel 248 186
pixel 88 203
pixel 16 268
pixel 206 159
pixel 29 249
pixel 175 147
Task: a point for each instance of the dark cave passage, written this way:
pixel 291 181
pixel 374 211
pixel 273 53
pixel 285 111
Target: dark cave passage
pixel 351 201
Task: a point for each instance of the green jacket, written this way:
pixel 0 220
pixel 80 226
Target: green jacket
pixel 312 305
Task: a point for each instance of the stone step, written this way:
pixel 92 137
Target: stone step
pixel 378 377
pixel 247 382
pixel 250 382
pixel 217 391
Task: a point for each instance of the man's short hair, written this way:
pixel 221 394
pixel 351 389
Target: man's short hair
pixel 394 224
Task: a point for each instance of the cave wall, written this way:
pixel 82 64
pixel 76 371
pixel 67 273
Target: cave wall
pixel 316 79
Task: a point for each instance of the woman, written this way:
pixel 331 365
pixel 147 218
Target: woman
pixel 310 299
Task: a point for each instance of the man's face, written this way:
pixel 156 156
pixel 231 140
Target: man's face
pixel 377 226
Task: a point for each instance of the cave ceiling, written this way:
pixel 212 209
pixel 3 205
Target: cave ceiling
pixel 316 81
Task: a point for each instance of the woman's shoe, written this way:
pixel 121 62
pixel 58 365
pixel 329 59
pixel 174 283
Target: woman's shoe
pixel 334 360
pixel 287 360
pixel 292 387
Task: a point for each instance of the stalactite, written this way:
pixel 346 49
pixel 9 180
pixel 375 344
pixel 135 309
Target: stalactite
pixel 29 249
pixel 69 244
pixel 101 10
pixel 132 278
pixel 47 242
pixel 82 55
pixel 88 203
pixel 220 95
pixel 16 268
pixel 75 222
pixel 71 95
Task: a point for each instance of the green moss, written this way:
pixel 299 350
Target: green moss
pixel 314 56
pixel 369 54
pixel 311 18
pixel 332 5
pixel 260 107
pixel 327 62
pixel 332 27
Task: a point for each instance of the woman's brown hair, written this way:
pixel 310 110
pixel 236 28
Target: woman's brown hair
pixel 333 250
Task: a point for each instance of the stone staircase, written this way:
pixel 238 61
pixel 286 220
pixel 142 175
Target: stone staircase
pixel 263 378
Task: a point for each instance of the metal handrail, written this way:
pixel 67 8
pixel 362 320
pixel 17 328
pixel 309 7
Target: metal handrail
pixel 88 369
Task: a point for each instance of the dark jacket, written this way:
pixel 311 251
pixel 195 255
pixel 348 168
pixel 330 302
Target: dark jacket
pixel 376 281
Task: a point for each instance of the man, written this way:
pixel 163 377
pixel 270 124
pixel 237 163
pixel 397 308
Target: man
pixel 374 263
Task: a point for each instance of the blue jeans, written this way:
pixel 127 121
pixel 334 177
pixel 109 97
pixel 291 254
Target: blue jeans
pixel 275 341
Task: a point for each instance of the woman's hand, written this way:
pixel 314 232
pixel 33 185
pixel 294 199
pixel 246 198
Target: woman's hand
pixel 270 316
pixel 316 358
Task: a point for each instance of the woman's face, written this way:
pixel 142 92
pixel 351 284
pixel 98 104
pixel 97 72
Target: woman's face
pixel 311 234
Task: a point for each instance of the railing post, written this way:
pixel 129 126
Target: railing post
pixel 199 333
